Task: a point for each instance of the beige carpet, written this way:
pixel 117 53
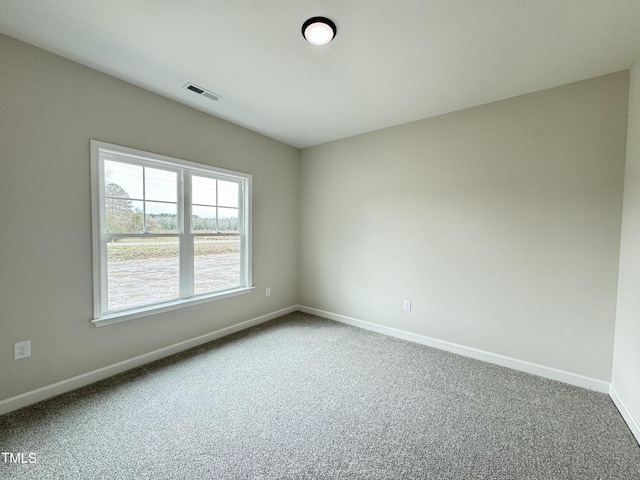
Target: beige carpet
pixel 304 397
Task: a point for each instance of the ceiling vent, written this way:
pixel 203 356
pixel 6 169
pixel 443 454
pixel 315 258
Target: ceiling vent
pixel 201 91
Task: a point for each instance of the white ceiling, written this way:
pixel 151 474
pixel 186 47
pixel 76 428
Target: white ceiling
pixel 391 62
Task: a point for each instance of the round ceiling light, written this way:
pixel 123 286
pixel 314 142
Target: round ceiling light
pixel 319 30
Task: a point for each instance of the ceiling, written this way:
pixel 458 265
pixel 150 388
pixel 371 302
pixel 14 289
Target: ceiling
pixel 391 62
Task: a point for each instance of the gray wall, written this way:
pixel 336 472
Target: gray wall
pixel 50 108
pixel 501 223
pixel 626 359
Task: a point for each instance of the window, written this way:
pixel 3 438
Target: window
pixel 166 233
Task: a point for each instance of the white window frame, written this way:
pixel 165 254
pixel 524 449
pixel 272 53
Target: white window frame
pixel 101 151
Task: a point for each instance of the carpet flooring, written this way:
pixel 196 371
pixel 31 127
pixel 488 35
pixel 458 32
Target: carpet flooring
pixel 304 397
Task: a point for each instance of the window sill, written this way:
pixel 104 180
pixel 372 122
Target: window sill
pixel 118 317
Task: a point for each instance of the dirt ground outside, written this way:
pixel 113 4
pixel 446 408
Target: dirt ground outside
pixel 151 280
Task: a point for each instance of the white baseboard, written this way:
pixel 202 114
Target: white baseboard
pixel 521 365
pixel 633 424
pixel 39 394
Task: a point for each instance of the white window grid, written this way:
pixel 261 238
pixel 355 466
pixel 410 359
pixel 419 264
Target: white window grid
pixel 101 151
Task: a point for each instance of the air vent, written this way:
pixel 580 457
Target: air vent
pixel 201 91
pixel 195 89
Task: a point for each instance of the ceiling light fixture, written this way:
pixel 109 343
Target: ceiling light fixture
pixel 319 30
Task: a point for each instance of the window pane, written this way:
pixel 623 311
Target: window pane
pixel 161 217
pixel 203 190
pixel 122 215
pixel 216 264
pixel 142 271
pixel 204 219
pixel 228 194
pixel 228 220
pixel 161 185
pixel 122 180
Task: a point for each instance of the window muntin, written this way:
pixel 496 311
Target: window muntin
pixel 137 196
pixel 166 232
pixel 215 206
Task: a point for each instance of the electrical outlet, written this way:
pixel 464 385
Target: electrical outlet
pixel 406 305
pixel 268 292
pixel 21 350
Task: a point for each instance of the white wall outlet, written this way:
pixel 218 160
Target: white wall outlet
pixel 268 292
pixel 21 350
pixel 406 305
